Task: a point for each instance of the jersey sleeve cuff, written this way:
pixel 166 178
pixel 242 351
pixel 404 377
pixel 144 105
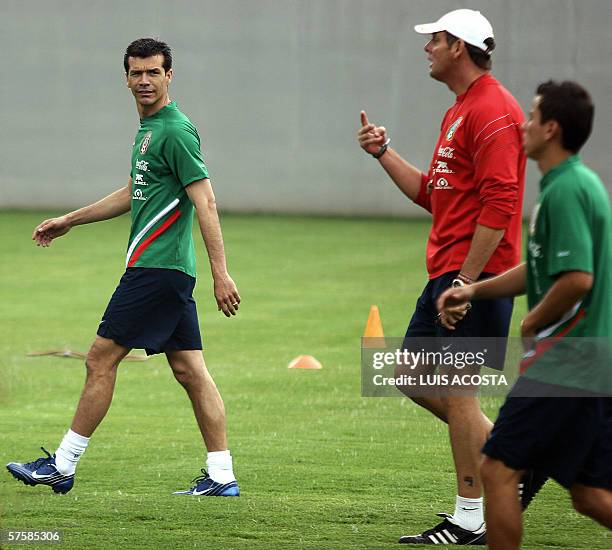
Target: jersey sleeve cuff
pixel 193 179
pixel 493 218
pixel 559 268
pixel 422 198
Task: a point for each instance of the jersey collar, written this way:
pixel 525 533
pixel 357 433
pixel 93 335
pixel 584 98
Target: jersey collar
pixel 558 169
pixel 170 107
pixel 480 81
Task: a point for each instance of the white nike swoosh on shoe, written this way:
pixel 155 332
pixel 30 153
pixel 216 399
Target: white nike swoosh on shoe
pixel 46 476
pixel 198 493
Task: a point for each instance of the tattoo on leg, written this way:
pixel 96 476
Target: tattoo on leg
pixel 469 480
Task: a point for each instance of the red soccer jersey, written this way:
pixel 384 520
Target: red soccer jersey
pixel 477 175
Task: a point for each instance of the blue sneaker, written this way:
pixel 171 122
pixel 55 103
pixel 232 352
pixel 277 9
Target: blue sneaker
pixel 206 487
pixel 42 472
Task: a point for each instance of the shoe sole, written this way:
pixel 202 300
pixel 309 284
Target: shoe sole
pixel 480 540
pixel 237 494
pixel 232 491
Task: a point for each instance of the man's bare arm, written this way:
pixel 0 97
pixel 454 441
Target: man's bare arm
pixel 452 303
pixel 202 196
pixel 404 175
pixel 507 285
pixel 111 206
pixel 484 242
pixel 569 288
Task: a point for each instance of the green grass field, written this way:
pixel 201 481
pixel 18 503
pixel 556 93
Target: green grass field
pixel 318 465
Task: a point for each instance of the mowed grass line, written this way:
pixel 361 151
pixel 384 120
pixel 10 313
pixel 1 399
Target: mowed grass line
pixel 319 466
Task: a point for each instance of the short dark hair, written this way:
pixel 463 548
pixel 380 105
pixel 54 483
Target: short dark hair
pixel 480 58
pixel 571 106
pixel 147 47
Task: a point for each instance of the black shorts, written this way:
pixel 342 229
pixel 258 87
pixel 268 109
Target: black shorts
pixel 153 309
pixel 567 438
pixel 486 319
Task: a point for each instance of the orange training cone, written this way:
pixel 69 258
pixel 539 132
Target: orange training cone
pixel 305 362
pixel 374 327
pixel 373 336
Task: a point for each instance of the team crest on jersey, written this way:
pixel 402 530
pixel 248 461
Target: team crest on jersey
pixel 144 144
pixel 453 128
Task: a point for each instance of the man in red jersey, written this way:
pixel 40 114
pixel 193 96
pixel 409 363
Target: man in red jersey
pixel 474 191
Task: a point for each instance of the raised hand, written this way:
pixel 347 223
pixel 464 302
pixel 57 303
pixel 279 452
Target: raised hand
pixel 371 137
pixel 50 229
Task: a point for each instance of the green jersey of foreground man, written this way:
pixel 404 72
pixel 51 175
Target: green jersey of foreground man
pixel 153 306
pixel 558 417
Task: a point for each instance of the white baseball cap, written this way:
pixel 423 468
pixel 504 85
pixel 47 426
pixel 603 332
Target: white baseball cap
pixel 469 25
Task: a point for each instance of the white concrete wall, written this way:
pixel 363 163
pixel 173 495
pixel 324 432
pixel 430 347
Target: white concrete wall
pixel 275 88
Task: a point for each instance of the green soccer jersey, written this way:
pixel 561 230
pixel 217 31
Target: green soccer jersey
pixel 166 158
pixel 571 230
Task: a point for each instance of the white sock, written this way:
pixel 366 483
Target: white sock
pixel 69 452
pixel 469 513
pixel 219 466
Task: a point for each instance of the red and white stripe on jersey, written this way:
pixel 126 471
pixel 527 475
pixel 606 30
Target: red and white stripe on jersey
pixel 545 338
pixel 136 247
pixel 492 130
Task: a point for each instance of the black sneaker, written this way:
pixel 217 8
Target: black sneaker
pixel 448 532
pixel 531 482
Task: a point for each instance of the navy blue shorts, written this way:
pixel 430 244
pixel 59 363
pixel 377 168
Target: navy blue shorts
pixel 153 309
pixel 486 319
pixel 567 438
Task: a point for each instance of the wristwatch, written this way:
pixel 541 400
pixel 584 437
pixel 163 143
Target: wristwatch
pixel 382 150
pixel 457 283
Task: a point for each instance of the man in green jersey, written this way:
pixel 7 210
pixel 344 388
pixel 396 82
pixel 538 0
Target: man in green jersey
pixel 153 306
pixel 558 417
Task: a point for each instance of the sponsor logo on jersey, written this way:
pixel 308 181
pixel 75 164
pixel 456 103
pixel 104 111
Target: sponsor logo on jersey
pixel 442 168
pixel 142 165
pixel 144 144
pixel 446 152
pixel 442 184
pixel 453 128
pixel 139 180
pixel 138 195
